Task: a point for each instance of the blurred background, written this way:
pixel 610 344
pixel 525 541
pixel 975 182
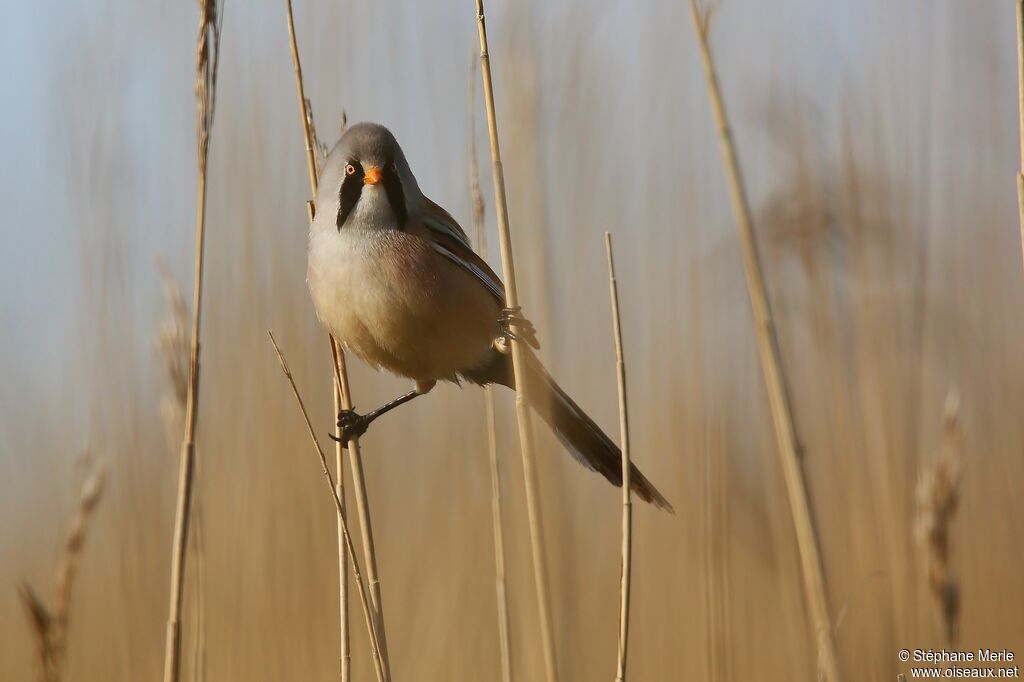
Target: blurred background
pixel 879 142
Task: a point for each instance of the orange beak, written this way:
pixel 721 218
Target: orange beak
pixel 372 176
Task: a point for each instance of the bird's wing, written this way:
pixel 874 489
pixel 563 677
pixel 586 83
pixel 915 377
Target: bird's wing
pixel 449 240
pixel 442 222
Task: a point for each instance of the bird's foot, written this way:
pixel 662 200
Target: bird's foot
pixel 525 331
pixel 352 425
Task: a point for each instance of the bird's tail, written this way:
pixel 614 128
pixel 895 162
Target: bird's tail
pixel 575 429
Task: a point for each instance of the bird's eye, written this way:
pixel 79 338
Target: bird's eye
pixel 350 169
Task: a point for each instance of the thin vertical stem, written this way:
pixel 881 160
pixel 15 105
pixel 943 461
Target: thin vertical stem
pixel 364 602
pixel 771 363
pixel 363 509
pixel 1020 111
pixel 504 638
pixel 300 87
pixel 343 398
pixel 500 583
pixel 199 598
pixel 715 569
pixel 339 467
pixel 207 58
pixel 627 503
pixel 518 363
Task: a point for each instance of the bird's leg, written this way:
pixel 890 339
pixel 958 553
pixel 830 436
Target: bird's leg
pixel 525 330
pixel 353 424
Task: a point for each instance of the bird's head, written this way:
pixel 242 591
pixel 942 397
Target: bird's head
pixel 367 181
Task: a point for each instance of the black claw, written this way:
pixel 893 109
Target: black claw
pixel 352 425
pixel 526 331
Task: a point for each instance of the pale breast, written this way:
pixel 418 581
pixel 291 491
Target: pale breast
pixel 390 299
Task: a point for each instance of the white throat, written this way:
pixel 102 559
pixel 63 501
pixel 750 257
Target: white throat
pixel 373 210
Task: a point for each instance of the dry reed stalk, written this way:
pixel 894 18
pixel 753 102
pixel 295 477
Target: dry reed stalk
pixel 716 569
pixel 199 598
pixel 504 637
pixel 207 59
pixel 775 381
pixel 363 509
pixel 518 363
pixel 381 671
pixel 342 400
pixel 50 626
pixel 938 493
pixel 173 348
pixel 339 467
pixel 307 122
pixel 627 503
pixel 1020 111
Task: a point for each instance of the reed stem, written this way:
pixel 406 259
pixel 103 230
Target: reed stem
pixel 504 638
pixel 207 59
pixel 363 509
pixel 342 400
pixel 771 363
pixel 533 503
pixel 627 503
pixel 345 645
pixel 1020 111
pixel 364 602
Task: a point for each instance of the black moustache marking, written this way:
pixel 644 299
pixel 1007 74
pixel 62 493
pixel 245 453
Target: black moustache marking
pixel 396 197
pixel 351 187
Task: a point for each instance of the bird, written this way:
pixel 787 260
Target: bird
pixel 395 280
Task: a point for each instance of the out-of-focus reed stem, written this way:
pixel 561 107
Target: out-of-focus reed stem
pixel 716 573
pixel 207 59
pixel 1020 111
pixel 627 503
pixel 364 602
pixel 173 342
pixel 771 363
pixel 199 598
pixel 342 400
pixel 504 638
pixel 518 363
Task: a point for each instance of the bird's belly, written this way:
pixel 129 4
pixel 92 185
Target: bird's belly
pixel 398 305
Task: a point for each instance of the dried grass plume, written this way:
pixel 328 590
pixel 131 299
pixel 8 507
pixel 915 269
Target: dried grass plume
pixel 50 625
pixel 938 496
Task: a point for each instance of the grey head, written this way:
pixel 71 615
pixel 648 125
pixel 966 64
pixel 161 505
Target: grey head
pixel 366 182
